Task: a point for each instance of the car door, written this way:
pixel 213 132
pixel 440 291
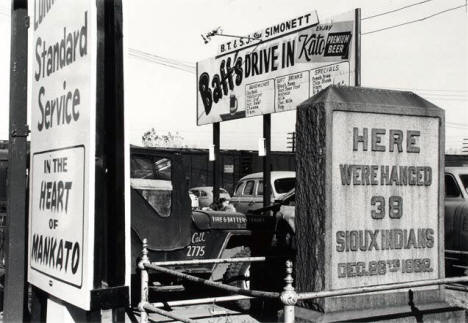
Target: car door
pixel 246 197
pixel 237 196
pixel 257 199
pixel 454 224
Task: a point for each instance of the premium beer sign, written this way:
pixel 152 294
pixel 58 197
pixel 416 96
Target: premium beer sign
pixel 276 69
pixel 62 102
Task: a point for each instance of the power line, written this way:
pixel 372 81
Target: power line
pixel 395 10
pixel 172 63
pixel 427 90
pixel 413 21
pixel 457 123
pixel 137 52
pixel 445 95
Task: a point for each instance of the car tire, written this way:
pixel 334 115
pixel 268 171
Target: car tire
pixel 238 274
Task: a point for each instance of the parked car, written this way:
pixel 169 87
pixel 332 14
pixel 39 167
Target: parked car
pixel 248 194
pixel 161 212
pixel 456 220
pixel 205 195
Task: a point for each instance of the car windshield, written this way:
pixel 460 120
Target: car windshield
pixel 284 185
pixel 464 179
pixel 151 178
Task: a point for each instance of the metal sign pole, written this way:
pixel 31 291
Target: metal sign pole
pixel 216 162
pixel 15 280
pixel 267 160
pixel 358 47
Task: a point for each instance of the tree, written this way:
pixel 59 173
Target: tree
pixel 153 138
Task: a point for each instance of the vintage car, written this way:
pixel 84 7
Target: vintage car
pixel 248 194
pixel 161 212
pixel 205 195
pixel 456 220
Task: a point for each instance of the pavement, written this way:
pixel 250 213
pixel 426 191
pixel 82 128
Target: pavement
pixel 207 313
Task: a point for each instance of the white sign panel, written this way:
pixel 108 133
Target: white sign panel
pixel 62 102
pixel 293 61
pixel 385 199
pixel 274 31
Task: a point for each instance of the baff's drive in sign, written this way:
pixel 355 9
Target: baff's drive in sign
pixel 276 69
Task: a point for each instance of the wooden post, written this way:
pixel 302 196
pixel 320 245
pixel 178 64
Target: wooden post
pixel 15 278
pixel 110 252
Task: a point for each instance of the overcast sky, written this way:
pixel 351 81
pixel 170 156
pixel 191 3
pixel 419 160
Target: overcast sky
pixel 428 57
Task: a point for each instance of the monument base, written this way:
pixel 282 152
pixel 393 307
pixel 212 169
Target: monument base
pixel 435 312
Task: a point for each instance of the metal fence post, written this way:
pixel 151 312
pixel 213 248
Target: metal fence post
pixel 144 282
pixel 289 296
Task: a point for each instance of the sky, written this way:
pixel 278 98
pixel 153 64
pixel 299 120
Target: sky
pixel 428 57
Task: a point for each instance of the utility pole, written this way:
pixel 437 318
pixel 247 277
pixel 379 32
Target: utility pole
pixel 14 304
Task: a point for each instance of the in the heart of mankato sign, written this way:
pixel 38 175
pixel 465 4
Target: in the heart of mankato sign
pixel 385 186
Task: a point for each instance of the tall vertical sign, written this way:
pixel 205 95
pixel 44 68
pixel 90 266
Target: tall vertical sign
pixel 63 113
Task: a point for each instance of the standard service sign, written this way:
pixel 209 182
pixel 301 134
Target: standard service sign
pixel 62 101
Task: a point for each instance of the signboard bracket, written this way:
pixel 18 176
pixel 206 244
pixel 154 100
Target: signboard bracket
pixel 21 131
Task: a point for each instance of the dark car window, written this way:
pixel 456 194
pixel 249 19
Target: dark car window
pixel 195 192
pixel 157 187
pixel 238 191
pixel 203 194
pixel 142 167
pixel 150 167
pixel 451 187
pixel 464 179
pixel 162 168
pixel 284 185
pixel 249 188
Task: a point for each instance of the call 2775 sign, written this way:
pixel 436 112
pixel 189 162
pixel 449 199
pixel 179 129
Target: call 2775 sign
pixel 62 102
pixel 289 63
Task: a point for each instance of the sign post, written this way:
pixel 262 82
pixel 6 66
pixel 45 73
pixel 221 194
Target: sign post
pixel 374 213
pixel 78 237
pixel 14 297
pixel 274 70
